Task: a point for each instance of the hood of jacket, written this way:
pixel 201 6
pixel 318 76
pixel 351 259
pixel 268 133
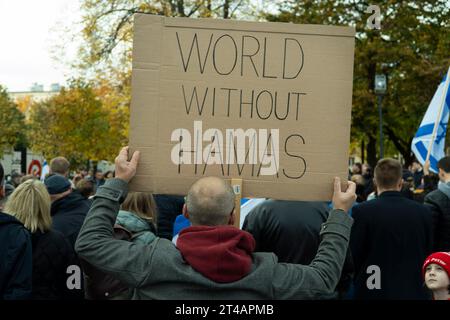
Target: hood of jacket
pixel 221 253
pixel 8 219
pixel 70 204
pixel 133 223
pixel 143 231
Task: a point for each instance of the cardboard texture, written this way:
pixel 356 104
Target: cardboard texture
pixel 268 103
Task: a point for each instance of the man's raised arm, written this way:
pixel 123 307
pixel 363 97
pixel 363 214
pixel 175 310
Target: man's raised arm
pixel 127 261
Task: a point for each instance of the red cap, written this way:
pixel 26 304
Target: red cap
pixel 440 258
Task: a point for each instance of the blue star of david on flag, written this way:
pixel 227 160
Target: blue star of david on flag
pixel 424 135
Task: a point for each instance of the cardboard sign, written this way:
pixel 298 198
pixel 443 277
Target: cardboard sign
pixel 269 103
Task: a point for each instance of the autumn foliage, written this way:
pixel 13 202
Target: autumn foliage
pixel 81 123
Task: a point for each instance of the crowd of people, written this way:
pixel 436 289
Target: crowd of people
pixel 385 236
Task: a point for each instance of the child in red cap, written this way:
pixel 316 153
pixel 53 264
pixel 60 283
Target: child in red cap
pixel 436 271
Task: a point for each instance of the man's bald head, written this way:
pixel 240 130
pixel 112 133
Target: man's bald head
pixel 210 202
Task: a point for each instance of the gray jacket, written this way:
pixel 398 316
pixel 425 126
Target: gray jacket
pixel 158 270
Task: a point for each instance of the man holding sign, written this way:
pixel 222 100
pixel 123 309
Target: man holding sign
pixel 212 259
pixel 264 103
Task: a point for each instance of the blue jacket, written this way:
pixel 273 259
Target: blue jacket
pixel 15 259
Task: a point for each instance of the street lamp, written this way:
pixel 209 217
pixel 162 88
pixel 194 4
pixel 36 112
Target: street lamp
pixel 380 91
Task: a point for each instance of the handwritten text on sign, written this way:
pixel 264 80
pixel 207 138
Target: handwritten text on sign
pixel 260 148
pixel 269 103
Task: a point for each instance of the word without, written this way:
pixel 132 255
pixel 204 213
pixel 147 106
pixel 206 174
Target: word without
pixel 259 103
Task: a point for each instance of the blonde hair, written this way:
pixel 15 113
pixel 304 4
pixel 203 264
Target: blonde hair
pixel 30 204
pixel 141 204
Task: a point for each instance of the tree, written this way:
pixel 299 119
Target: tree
pixel 24 103
pixel 12 123
pixel 105 59
pixel 78 124
pixel 411 48
pixel 107 31
pixel 115 102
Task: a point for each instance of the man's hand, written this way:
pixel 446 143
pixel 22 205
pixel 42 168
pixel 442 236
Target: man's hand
pixel 125 169
pixel 426 168
pixel 343 200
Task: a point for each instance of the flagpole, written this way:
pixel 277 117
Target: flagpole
pixel 436 126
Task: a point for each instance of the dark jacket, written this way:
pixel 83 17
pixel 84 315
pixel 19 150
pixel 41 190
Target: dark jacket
pixel 291 230
pixel 52 255
pixel 394 234
pixel 169 207
pixel 159 271
pixel 439 204
pixel 99 183
pixel 68 215
pixel 15 259
pixel 368 187
pixel 418 175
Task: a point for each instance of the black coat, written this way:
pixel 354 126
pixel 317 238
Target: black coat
pixel 68 215
pixel 169 207
pixel 395 234
pixel 291 229
pixel 15 259
pixel 418 175
pixel 439 205
pixel 52 255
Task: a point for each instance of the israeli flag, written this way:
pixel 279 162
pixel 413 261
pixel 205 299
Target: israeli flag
pixel 434 123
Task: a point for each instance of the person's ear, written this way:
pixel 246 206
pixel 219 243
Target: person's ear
pixel 443 176
pixel 185 212
pixel 232 218
pixel 2 192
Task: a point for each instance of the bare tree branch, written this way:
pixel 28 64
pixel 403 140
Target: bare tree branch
pixel 112 43
pixel 235 8
pixel 194 9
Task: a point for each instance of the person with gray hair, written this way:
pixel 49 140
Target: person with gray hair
pixel 212 259
pixel 210 202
